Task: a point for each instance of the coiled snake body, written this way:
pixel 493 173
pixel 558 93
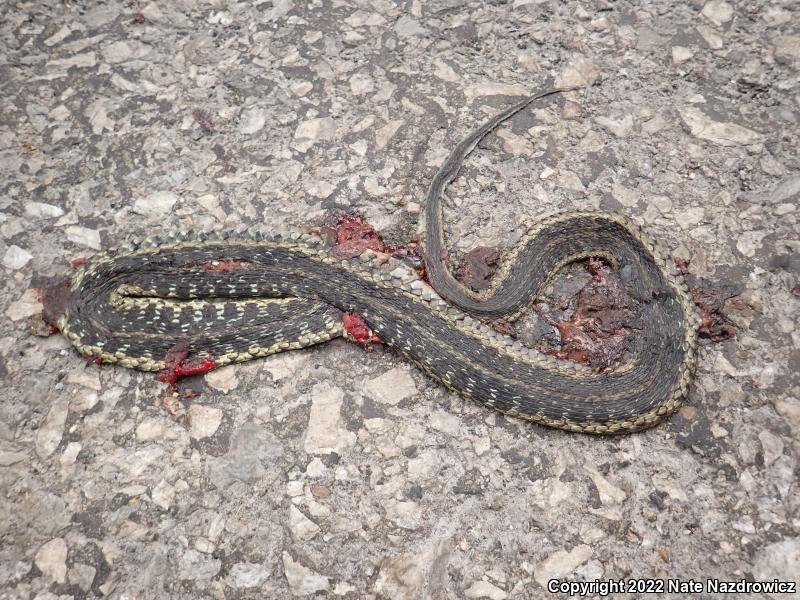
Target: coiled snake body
pixel 235 296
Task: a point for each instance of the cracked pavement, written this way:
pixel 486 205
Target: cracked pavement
pixel 342 473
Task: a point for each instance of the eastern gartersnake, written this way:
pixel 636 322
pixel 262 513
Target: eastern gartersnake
pixel 234 296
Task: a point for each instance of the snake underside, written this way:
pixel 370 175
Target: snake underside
pixel 234 296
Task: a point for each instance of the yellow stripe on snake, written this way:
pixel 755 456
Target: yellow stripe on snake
pixel 234 296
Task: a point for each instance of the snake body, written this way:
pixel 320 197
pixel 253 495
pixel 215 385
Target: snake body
pixel 234 296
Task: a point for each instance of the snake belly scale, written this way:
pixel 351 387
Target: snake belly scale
pixel 237 295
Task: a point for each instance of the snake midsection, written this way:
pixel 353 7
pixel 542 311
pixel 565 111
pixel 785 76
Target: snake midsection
pixel 290 293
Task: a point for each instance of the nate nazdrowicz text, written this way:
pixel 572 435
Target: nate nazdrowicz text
pixel 607 587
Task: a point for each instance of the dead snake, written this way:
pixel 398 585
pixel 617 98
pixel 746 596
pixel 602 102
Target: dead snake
pixel 237 295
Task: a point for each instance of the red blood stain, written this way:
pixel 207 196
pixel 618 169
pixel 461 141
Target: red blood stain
pixel 352 235
pixel 357 330
pixel 94 360
pixel 190 393
pixel 137 19
pixel 715 324
pixel 598 270
pixel 682 264
pixel 187 369
pixel 79 262
pixel 177 365
pixel 583 341
pixel 227 266
pixel 595 334
pixel 575 342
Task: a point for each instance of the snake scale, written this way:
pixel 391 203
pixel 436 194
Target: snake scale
pixel 236 295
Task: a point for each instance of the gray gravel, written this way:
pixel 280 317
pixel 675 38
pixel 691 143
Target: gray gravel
pixel 343 473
